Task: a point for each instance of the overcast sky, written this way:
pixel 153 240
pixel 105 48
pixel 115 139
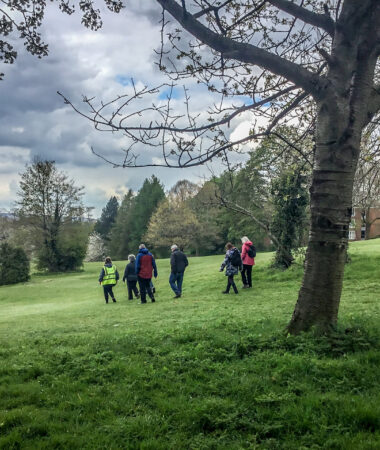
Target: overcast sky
pixel 34 121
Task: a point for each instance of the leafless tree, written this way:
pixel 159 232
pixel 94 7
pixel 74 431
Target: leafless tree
pixel 298 61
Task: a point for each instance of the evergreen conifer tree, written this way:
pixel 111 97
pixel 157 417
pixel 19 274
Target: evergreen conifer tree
pixel 120 236
pixel 144 205
pixel 109 212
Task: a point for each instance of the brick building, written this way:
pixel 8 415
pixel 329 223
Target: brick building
pixel 365 224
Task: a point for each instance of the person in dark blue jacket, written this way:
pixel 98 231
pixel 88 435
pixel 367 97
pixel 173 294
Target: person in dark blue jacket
pixel 233 263
pixel 130 278
pixel 145 265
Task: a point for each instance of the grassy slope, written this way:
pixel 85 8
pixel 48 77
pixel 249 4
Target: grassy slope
pixel 205 371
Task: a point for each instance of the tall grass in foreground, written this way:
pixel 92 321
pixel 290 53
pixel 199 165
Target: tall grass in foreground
pixel 207 371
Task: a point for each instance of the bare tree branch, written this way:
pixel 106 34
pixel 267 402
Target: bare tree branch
pixel 247 53
pixel 323 21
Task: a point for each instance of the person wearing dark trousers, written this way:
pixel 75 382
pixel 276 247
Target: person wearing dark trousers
pixel 248 253
pixel 152 286
pixel 108 279
pixel 232 262
pixel 144 284
pixel 178 263
pixel 130 277
pixel 145 265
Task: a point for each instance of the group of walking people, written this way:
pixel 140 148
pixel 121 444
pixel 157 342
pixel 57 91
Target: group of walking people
pixel 140 270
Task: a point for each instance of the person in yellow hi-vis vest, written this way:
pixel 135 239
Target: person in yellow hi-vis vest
pixel 108 278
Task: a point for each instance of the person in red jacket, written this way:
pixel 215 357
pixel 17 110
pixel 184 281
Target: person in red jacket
pixel 248 253
pixel 145 265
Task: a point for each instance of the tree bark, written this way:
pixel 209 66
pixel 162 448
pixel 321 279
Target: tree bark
pixel 342 116
pixel 330 203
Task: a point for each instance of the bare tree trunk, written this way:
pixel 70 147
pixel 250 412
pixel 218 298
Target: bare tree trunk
pixel 330 203
pixel 342 115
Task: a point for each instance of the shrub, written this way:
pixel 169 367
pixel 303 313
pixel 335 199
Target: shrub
pixel 14 265
pixel 67 253
pixel 72 256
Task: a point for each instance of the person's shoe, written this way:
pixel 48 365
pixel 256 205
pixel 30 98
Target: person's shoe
pixel 153 300
pixel 130 299
pixel 177 296
pixel 142 303
pixel 225 292
pixel 114 300
pixel 245 286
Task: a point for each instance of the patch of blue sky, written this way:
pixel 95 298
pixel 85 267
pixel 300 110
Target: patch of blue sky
pixel 249 100
pixel 165 93
pixel 246 100
pixel 124 80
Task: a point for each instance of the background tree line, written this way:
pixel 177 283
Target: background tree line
pixel 265 198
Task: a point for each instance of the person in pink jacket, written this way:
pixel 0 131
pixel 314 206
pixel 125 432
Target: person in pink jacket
pixel 248 253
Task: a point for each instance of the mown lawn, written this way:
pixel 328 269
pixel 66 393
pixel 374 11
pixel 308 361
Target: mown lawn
pixel 207 371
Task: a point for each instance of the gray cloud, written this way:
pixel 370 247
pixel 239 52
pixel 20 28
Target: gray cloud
pixel 35 121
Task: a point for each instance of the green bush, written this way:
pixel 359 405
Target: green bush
pixel 73 246
pixel 73 255
pixel 68 252
pixel 14 265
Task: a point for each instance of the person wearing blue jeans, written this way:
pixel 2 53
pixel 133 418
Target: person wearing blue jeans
pixel 175 281
pixel 178 263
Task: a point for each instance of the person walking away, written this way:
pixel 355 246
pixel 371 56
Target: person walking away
pixel 130 277
pixel 145 265
pixel 108 278
pixel 178 263
pixel 152 286
pixel 232 262
pixel 248 253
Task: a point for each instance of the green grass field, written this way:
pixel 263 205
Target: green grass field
pixel 207 371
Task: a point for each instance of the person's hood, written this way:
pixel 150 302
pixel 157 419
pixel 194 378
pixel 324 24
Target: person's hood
pixel 248 243
pixel 144 251
pixel 109 265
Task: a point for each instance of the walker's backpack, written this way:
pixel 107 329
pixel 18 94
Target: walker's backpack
pixel 252 251
pixel 235 258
